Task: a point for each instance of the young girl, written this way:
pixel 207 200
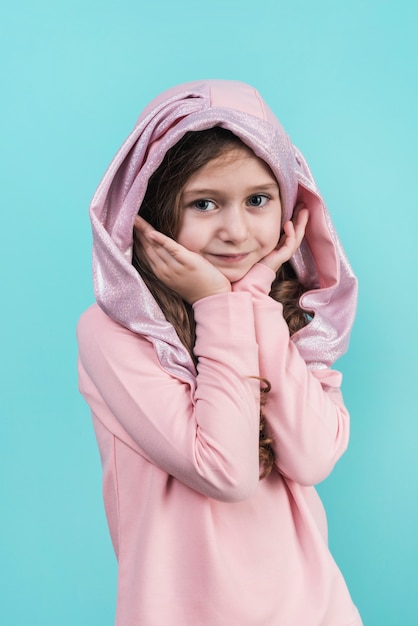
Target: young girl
pixel 224 297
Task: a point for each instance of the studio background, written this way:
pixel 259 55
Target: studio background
pixel 342 79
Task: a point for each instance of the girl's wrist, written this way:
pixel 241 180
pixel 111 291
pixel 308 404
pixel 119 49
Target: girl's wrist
pixel 210 293
pixel 259 278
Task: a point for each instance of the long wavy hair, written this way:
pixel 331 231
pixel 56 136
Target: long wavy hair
pixel 161 207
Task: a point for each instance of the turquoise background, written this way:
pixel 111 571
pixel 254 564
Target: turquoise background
pixel 342 78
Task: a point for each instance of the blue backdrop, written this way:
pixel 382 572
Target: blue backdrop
pixel 342 78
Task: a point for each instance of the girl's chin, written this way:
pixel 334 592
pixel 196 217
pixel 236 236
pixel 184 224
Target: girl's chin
pixel 235 274
pixel 234 269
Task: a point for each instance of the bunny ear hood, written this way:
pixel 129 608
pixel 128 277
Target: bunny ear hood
pixel 320 262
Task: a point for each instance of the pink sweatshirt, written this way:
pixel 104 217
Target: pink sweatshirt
pixel 200 540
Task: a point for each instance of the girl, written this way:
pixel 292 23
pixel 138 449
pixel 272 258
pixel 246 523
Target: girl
pixel 223 299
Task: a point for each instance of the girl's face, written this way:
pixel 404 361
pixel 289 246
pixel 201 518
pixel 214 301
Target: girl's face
pixel 231 212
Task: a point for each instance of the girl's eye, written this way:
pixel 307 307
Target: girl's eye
pixel 258 200
pixel 204 205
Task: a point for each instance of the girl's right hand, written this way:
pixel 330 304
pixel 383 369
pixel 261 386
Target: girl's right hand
pixel 186 272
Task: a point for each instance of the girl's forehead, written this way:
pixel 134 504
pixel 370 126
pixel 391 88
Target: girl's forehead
pixel 233 159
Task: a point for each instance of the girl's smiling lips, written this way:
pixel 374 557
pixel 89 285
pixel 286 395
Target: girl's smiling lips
pixel 231 258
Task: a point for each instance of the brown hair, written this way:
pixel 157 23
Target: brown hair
pixel 161 207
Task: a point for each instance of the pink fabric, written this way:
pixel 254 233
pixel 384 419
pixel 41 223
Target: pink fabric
pixel 199 539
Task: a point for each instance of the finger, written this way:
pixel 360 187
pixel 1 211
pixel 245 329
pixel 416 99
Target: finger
pixel 301 217
pixel 167 247
pixel 289 242
pixel 154 241
pixel 293 235
pixel 141 225
pixel 167 256
pixel 300 226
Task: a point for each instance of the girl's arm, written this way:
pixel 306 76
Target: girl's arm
pixel 305 412
pixel 206 437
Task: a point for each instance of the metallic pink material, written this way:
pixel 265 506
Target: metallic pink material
pixel 320 262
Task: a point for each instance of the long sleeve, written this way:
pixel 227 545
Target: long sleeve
pixel 305 412
pixel 207 437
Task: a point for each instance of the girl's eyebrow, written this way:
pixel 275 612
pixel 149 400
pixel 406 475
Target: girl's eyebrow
pixel 257 187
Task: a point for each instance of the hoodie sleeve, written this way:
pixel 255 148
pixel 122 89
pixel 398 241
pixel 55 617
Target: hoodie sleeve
pixel 208 437
pixel 305 411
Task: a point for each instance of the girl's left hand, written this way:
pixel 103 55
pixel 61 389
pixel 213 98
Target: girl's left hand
pixel 294 232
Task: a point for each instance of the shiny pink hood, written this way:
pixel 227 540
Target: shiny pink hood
pixel 320 262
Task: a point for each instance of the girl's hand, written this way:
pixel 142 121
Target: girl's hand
pixel 186 272
pixel 289 242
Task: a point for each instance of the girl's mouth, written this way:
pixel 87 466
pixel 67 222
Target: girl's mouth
pixel 230 258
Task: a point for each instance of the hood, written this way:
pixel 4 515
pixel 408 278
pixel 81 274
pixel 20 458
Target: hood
pixel 320 262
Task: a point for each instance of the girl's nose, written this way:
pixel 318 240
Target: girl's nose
pixel 234 227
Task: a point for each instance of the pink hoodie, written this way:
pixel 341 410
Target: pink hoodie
pixel 199 539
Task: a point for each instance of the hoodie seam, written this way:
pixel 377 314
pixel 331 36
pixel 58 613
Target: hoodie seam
pixel 115 468
pixel 261 103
